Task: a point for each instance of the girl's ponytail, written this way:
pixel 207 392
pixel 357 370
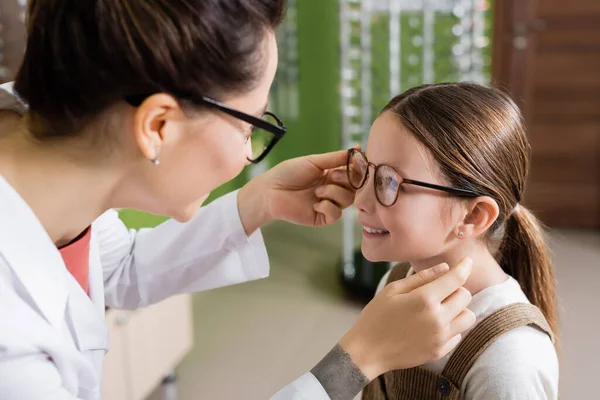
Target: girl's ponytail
pixel 523 254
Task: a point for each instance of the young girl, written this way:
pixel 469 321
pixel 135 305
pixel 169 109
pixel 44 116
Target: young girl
pixel 442 178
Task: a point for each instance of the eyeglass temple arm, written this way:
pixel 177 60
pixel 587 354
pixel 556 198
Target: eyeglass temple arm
pixel 457 192
pixel 136 100
pixel 257 122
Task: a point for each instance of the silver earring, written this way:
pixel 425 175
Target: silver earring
pixel 461 234
pixel 156 159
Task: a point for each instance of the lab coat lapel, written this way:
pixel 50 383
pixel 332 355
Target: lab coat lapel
pixel 86 324
pixel 96 277
pixel 38 265
pixel 86 317
pixel 32 256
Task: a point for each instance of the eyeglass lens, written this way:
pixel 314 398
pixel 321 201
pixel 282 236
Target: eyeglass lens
pixel 386 181
pixel 260 139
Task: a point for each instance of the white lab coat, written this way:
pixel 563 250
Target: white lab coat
pixel 53 336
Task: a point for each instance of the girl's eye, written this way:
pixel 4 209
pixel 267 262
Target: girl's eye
pixel 391 183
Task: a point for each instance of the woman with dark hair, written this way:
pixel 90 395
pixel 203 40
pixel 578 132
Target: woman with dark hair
pixel 150 105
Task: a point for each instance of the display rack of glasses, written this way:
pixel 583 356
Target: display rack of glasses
pixel 285 86
pixel 2 67
pixel 12 34
pixel 4 71
pixel 388 46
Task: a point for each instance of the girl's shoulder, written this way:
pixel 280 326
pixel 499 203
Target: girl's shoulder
pixel 521 364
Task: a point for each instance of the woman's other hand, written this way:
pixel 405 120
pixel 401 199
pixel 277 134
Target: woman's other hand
pixel 412 321
pixel 311 190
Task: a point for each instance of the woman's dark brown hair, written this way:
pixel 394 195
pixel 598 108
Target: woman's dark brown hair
pixel 477 136
pixel 84 55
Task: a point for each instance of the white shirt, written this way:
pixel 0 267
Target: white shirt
pixel 53 336
pixel 519 365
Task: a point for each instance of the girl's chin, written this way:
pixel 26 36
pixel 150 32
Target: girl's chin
pixel 374 255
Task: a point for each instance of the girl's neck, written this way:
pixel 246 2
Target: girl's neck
pixel 486 270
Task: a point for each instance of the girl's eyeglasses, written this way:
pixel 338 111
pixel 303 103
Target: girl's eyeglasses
pixel 387 180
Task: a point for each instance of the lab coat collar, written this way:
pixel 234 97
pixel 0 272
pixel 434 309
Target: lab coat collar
pixel 96 276
pixel 32 256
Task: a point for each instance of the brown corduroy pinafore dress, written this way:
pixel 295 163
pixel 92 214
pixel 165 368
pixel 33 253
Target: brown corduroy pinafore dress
pixel 421 384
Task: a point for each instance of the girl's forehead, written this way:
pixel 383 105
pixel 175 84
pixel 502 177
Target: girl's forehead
pixel 390 142
pixel 390 139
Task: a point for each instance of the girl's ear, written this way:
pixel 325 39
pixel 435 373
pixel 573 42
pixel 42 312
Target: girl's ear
pixel 482 213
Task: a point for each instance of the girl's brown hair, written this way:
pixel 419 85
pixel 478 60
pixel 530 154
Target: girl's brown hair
pixel 477 136
pixel 84 55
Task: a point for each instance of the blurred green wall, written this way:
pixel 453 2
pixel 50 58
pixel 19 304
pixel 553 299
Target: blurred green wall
pixel 318 127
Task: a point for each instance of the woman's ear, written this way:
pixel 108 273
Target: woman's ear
pixel 482 212
pixel 149 121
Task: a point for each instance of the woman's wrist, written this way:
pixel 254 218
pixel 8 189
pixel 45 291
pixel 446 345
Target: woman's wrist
pixel 341 378
pixel 253 207
pixel 361 356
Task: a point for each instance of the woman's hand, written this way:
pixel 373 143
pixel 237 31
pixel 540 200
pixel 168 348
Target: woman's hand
pixel 412 321
pixel 311 190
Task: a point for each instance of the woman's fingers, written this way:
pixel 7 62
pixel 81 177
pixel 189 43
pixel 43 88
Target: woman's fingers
pixel 417 280
pixel 447 347
pixel 339 176
pixel 338 195
pixel 331 160
pixel 462 322
pixel 448 283
pixel 328 212
pixel 454 304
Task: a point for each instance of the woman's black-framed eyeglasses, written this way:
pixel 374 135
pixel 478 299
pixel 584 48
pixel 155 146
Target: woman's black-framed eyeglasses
pixel 387 180
pixel 266 131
